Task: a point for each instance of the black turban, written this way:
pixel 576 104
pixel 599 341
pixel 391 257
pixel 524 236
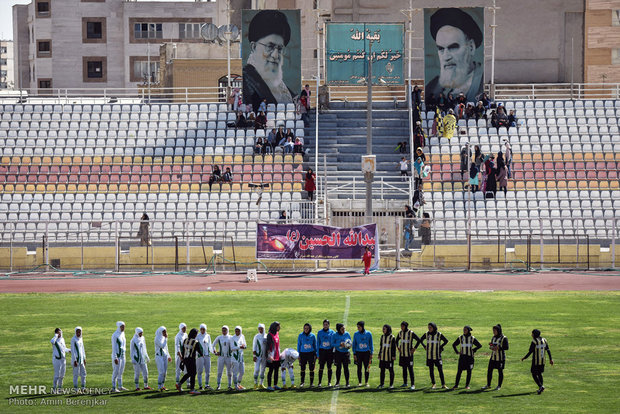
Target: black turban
pixel 267 22
pixel 456 18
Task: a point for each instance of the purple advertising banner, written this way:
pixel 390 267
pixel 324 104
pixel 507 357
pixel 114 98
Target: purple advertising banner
pixel 308 241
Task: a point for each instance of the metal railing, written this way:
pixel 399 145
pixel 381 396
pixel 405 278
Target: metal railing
pixel 352 185
pixel 557 91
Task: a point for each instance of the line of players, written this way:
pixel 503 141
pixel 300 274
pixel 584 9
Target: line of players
pixel 193 352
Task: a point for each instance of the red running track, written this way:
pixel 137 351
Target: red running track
pixel 456 281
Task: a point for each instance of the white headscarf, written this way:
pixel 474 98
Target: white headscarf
pixel 181 326
pixel 159 334
pixel 121 334
pixel 261 325
pixel 202 325
pixel 240 329
pixel 138 331
pixel 81 333
pixel 227 330
pixel 80 328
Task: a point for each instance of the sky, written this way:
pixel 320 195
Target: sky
pixel 6 16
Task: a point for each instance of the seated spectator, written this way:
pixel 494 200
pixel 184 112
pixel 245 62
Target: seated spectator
pixel 502 118
pixel 287 145
pixel 451 102
pixel 494 119
pixel 261 121
pixel 298 146
pixel 470 111
pixel 282 218
pixel 431 103
pixel 480 111
pixel 263 106
pixel 290 133
pixel 485 100
pixel 280 135
pixel 251 118
pixel 461 99
pixel 460 111
pixel 240 122
pixel 272 140
pixel 228 176
pixel 259 147
pixel 216 176
pixel 512 119
pixel 442 103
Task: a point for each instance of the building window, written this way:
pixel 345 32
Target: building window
pixel 44 48
pixel 94 68
pixel 2 62
pixel 615 56
pixel 142 71
pixel 43 8
pixel 45 83
pixel 615 17
pixel 94 30
pixel 148 30
pixel 236 81
pixel 3 73
pixel 3 49
pixel 189 30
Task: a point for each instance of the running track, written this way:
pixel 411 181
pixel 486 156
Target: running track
pixel 455 281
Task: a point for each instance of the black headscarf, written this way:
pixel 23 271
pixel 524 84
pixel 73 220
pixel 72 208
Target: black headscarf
pixel 500 160
pixel 338 326
pixel 273 328
pixel 468 330
pixel 473 171
pixel 405 324
pixel 388 329
pixel 193 333
pixel 498 327
pixel 536 333
pixel 362 324
pixel 309 326
pixel 325 320
pixel 434 325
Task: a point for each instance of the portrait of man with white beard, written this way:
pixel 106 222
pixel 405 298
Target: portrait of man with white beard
pixel 457 37
pixel 269 34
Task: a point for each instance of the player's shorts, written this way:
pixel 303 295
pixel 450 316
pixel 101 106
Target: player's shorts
pixel 497 364
pixel 434 363
pixel 405 361
pixel 363 357
pixel 307 358
pixel 538 369
pixel 326 356
pixel 466 362
pixel 386 364
pixel 343 358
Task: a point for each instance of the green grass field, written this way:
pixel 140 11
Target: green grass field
pixel 583 330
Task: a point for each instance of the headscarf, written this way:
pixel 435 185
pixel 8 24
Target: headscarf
pixel 261 325
pixel 227 330
pixel 498 327
pixel 473 171
pixel 388 329
pixel 78 327
pixel 158 335
pixel 434 325
pixel 338 326
pixel 500 160
pixel 119 324
pixel 192 333
pixel 405 324
pixel 240 329
pixel 536 333
pixel 362 324
pixel 273 328
pixel 202 325
pixel 309 326
pixel 468 330
pixel 138 331
pixel 181 326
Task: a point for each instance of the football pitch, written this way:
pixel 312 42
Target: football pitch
pixel 582 328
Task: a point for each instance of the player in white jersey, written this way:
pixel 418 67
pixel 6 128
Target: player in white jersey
pixel 78 359
pixel 162 356
pixel 139 359
pixel 204 362
pixel 178 350
pixel 118 357
pixel 287 359
pixel 238 364
pixel 259 356
pixel 59 360
pixel 222 346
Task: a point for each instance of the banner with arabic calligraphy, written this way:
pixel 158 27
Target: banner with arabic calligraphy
pixel 308 241
pixel 348 45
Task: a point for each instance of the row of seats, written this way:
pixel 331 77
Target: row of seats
pixel 176 162
pixel 135 108
pixel 530 185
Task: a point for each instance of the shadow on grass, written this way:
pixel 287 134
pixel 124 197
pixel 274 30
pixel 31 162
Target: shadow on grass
pixel 521 394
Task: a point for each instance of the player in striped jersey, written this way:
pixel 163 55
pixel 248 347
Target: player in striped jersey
pixel 435 342
pixel 387 354
pixel 465 346
pixel 405 345
pixel 498 346
pixel 538 347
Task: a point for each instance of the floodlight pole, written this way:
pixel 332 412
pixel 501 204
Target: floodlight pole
pixel 316 110
pixel 228 35
pixel 368 176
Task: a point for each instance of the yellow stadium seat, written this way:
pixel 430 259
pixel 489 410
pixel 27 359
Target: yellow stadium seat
pixel 57 160
pixel 97 160
pixel 541 185
pixel 163 188
pixel 123 188
pixel 167 160
pixel 50 188
pixel 288 158
pixel 536 156
pixel 427 186
pixel 296 186
pixel 112 188
pixel 235 187
pixel 107 160
pixel 71 188
pixel 67 160
pixel 204 188
pixel 548 156
pixel 445 158
pixel 299 159
pixel 457 186
pixel 571 184
pixel 550 185
pixel 178 159
pixel 437 187
pixel 40 188
pixel 267 159
pixel 154 188
pixel 516 157
pixel 91 188
pixel 9 188
pixel 195 188
pixel 561 184
pixel 228 159
pixel 588 156
pixel 276 187
pixel 127 160
pixel 81 188
pixel 609 156
pixel 277 159
pixel 603 185
pixel 578 156
pixel 144 188
pixel 6 160
pixel 568 156
pixel 599 156
pixel 117 160
pixel 614 184
pixel 147 160
pixel 218 159
pixel 25 160
pixel 238 159
pixel 519 185
pixel 102 188
pixel 133 188
pixel 207 160
pixel 184 188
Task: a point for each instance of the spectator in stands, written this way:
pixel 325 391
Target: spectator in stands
pixel 143 231
pixel 512 119
pixel 298 146
pixel 305 93
pixel 251 119
pixel 418 165
pixel 282 217
pixel 228 176
pixel 272 140
pixel 280 135
pixel 431 102
pixel 420 154
pixel 259 148
pixel 216 176
pixel 464 160
pixel 478 156
pixel 502 118
pixel 485 100
pixel 480 111
pixel 494 119
pixel 261 121
pixel 449 125
pixel 287 145
pixel 416 97
pixel 408 226
pixel 460 111
pixel 470 111
pixel 404 168
pixel 451 102
pixel 310 185
pixel 418 136
pixel 240 122
pixel 401 147
pixel 461 99
pixel 502 173
pixel 508 156
pixel 234 100
pixel 290 133
pixel 425 229
pixel 442 103
pixel 263 106
pixel 474 184
pixel 302 110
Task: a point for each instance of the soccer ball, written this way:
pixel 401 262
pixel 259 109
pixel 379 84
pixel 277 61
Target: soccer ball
pixel 348 343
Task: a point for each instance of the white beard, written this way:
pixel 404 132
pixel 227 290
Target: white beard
pixel 273 79
pixel 457 81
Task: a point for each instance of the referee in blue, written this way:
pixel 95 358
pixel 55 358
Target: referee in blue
pixel 362 352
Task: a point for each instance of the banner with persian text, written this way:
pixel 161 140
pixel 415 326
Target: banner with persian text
pixel 309 241
pixel 349 44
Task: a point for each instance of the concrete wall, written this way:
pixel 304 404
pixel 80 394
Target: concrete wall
pixel 20 49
